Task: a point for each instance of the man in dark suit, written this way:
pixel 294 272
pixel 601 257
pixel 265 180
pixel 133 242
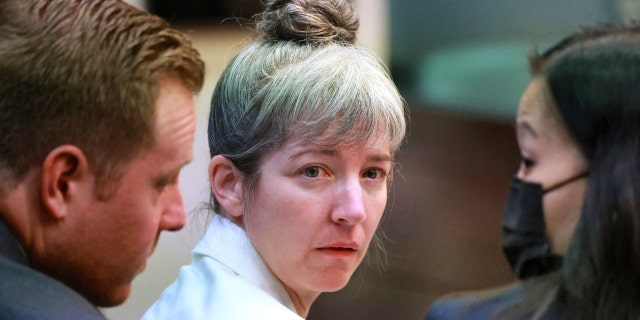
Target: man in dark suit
pixel 96 121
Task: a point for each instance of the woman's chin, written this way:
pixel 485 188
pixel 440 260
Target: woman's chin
pixel 334 282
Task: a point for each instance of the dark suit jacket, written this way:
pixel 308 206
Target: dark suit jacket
pixel 475 306
pixel 28 294
pixel 500 303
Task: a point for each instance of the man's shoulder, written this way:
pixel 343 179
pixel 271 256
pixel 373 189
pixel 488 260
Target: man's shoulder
pixel 28 294
pixel 476 304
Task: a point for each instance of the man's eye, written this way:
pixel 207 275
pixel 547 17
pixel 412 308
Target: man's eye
pixel 162 182
pixel 312 172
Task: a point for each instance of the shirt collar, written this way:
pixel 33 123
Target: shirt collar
pixel 227 243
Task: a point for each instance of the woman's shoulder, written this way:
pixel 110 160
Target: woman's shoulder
pixel 481 304
pixel 207 290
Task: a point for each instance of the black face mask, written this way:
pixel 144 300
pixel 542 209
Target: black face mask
pixel 524 239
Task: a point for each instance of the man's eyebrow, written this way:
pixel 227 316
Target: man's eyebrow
pixel 178 169
pixel 184 164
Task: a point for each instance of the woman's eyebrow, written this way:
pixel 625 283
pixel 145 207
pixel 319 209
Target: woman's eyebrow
pixel 333 153
pixel 327 152
pixel 382 157
pixel 523 127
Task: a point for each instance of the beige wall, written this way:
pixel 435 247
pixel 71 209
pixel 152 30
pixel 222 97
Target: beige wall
pixel 138 3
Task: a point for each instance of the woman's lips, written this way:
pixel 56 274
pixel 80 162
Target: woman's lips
pixel 342 249
pixel 345 252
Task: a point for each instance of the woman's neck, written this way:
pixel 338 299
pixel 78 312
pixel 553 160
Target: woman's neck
pixel 302 302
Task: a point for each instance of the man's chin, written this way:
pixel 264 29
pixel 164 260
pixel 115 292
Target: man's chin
pixel 115 298
pixel 142 268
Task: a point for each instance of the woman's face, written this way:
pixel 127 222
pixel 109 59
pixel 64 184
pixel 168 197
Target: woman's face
pixel 316 210
pixel 550 156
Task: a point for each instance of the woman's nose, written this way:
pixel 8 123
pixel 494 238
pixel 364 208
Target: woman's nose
pixel 349 206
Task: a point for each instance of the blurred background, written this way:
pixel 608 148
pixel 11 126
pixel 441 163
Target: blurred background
pixel 461 66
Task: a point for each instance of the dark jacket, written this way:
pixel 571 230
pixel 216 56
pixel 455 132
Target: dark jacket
pixel 502 303
pixel 28 294
pixel 475 306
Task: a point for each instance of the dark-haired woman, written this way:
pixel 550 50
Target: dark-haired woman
pixel 303 130
pixel 571 227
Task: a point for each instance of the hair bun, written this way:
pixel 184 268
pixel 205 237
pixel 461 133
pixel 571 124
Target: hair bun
pixel 309 21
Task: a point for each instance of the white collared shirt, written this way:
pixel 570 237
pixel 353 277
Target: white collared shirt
pixel 227 280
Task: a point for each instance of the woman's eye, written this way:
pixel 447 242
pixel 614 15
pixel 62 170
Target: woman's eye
pixel 311 172
pixel 372 174
pixel 526 162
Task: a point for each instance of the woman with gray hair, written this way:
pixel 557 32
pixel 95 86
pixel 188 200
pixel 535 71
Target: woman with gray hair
pixel 303 130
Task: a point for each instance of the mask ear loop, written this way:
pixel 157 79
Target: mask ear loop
pixel 563 183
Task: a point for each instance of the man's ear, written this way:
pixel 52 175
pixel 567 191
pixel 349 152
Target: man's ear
pixel 65 171
pixel 226 185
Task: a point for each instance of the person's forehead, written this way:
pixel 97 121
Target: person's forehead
pixel 535 97
pixel 353 139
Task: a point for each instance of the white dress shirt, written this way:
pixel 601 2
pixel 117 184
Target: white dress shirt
pixel 226 280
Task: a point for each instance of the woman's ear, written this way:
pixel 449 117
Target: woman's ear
pixel 65 177
pixel 226 185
